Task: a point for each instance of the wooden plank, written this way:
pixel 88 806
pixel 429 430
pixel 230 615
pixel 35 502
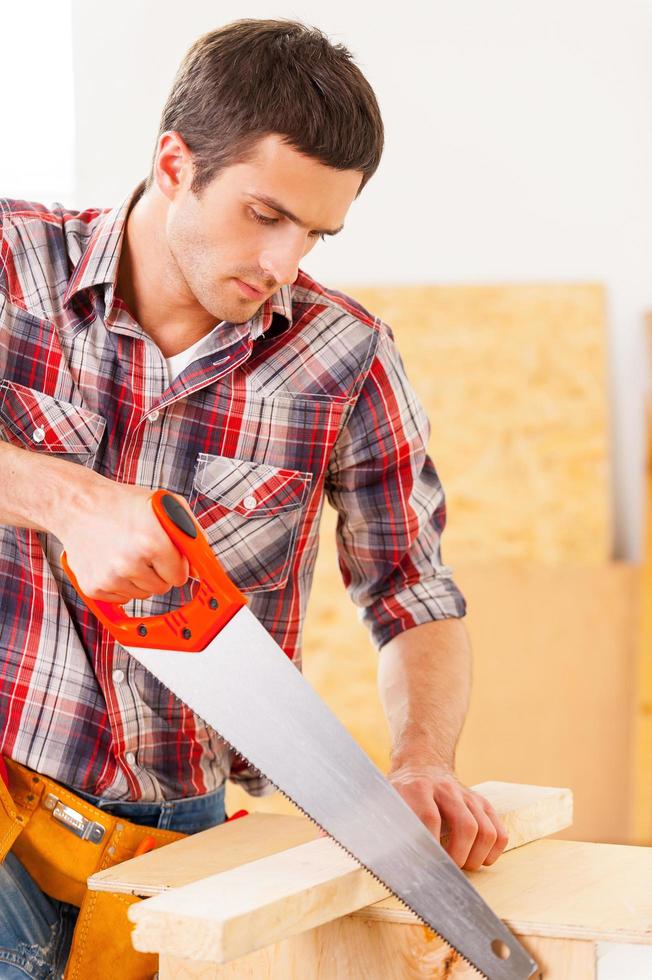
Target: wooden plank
pixel 229 915
pixel 564 890
pixel 218 849
pixel 265 901
pixel 528 812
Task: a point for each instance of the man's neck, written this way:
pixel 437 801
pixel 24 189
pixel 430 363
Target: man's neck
pixel 150 282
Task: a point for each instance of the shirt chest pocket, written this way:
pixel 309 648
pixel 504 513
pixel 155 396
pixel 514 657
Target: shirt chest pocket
pixel 33 420
pixel 251 514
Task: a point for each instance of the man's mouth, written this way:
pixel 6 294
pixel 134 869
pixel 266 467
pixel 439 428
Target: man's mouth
pixel 252 292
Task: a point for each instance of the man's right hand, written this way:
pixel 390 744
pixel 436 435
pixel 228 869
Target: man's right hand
pixel 116 546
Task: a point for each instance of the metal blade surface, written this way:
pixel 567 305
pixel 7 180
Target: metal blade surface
pixel 245 687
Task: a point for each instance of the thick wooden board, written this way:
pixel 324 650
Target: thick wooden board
pixel 527 812
pixel 513 378
pixel 553 689
pixel 559 890
pixel 218 849
pixel 563 889
pixel 228 915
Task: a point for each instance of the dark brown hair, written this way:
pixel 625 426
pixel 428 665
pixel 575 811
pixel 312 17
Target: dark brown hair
pixel 251 78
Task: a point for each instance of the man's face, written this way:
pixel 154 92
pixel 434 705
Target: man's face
pixel 232 245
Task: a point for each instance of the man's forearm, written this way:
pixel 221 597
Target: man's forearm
pixel 424 679
pixel 36 489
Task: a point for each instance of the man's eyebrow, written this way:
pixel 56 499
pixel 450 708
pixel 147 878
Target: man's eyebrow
pixel 276 206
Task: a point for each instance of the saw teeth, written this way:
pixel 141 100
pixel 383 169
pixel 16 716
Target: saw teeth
pixel 339 844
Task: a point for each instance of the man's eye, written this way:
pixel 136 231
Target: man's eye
pixel 262 219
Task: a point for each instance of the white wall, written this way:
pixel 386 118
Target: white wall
pixel 36 88
pixel 519 147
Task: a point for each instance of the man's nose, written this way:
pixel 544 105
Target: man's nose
pixel 281 261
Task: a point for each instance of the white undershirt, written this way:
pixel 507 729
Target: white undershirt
pixel 179 362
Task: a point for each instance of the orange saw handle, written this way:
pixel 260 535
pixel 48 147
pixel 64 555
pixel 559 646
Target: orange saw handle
pixel 193 626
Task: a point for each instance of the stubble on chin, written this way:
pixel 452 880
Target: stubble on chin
pixel 237 311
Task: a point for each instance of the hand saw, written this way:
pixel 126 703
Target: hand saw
pixel 216 657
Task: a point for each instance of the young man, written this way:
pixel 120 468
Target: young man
pixel 174 342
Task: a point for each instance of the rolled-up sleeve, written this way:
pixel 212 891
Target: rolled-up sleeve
pixel 391 506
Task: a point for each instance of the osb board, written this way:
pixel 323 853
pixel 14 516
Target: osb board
pixel 513 380
pixel 554 652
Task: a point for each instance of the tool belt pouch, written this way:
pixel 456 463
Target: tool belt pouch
pixel 61 840
pixel 11 822
pixel 101 943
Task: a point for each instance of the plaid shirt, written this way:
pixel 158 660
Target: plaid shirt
pixel 306 400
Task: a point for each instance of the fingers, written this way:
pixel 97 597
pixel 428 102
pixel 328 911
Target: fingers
pixel 465 822
pixel 417 794
pixel 101 596
pixel 502 837
pixel 170 568
pixel 485 838
pixel 475 833
pixel 122 590
pixel 459 819
pixel 119 551
pixel 139 582
pixel 148 579
pixel 167 562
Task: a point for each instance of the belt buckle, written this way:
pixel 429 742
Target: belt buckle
pixel 73 820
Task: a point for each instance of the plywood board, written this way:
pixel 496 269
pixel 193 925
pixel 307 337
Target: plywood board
pixel 513 380
pixel 261 900
pixel 562 889
pixel 527 813
pixel 218 849
pixel 551 889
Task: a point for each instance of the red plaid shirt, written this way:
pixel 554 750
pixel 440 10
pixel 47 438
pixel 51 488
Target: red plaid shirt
pixel 306 400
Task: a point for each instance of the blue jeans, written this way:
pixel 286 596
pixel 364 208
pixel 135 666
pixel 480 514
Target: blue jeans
pixel 36 931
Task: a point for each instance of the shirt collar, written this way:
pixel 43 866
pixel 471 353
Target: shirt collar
pixel 98 266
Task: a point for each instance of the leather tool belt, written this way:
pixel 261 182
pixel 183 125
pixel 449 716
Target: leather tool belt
pixel 61 839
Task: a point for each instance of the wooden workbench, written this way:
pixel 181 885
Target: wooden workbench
pixel 267 898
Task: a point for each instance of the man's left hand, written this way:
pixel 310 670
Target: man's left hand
pixel 471 830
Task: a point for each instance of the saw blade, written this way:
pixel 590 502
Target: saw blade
pixel 245 687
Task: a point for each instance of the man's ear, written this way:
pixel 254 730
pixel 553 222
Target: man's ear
pixel 173 165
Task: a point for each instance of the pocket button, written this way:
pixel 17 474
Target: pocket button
pixel 38 435
pixel 249 502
